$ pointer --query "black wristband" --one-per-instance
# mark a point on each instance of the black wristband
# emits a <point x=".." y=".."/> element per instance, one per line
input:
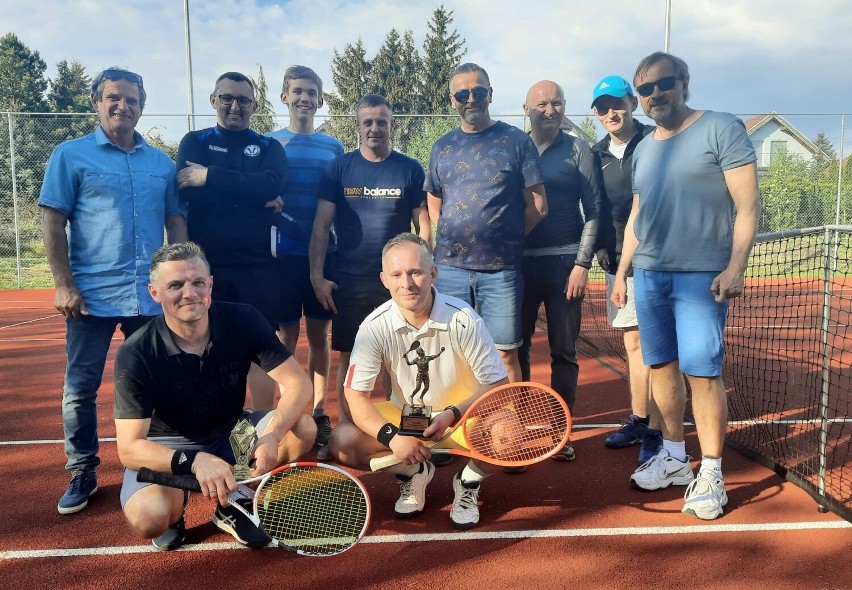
<point x="386" y="433"/>
<point x="456" y="413"/>
<point x="182" y="462"/>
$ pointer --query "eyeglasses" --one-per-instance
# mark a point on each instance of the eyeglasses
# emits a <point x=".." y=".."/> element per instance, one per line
<point x="664" y="84"/>
<point x="479" y="93"/>
<point x="114" y="74"/>
<point x="227" y="100"/>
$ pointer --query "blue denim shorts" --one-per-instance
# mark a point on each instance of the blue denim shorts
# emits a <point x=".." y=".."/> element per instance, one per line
<point x="495" y="295"/>
<point x="680" y="320"/>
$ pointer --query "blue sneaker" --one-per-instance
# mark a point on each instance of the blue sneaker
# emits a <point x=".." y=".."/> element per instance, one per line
<point x="652" y="443"/>
<point x="84" y="483"/>
<point x="631" y="433"/>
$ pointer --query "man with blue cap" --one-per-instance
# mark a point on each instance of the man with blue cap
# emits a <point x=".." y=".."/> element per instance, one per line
<point x="613" y="102"/>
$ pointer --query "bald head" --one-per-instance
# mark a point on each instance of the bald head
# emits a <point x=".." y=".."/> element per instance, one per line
<point x="545" y="106"/>
<point x="543" y="88"/>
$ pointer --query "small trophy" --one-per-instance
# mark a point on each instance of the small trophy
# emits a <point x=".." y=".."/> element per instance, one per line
<point x="243" y="439"/>
<point x="415" y="416"/>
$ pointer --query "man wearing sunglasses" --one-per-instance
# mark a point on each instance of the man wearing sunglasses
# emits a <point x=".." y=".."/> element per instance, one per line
<point x="229" y="176"/>
<point x="114" y="193"/>
<point x="613" y="102"/>
<point x="558" y="252"/>
<point x="485" y="192"/>
<point x="689" y="259"/>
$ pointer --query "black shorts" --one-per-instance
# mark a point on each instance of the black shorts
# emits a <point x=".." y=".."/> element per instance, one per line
<point x="257" y="285"/>
<point x="297" y="293"/>
<point x="354" y="298"/>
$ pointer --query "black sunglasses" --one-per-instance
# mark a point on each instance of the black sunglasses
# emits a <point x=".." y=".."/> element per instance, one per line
<point x="112" y="74"/>
<point x="664" y="84"/>
<point x="479" y="93"/>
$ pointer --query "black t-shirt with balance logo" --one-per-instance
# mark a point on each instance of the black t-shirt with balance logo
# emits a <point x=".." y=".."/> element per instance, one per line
<point x="188" y="395"/>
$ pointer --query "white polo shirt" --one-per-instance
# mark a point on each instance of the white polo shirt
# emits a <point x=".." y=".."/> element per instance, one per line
<point x="469" y="360"/>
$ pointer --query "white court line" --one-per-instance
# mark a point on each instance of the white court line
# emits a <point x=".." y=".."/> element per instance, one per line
<point x="47" y="317"/>
<point x="467" y="536"/>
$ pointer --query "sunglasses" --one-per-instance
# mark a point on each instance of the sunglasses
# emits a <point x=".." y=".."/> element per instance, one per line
<point x="118" y="75"/>
<point x="227" y="100"/>
<point x="664" y="84"/>
<point x="479" y="93"/>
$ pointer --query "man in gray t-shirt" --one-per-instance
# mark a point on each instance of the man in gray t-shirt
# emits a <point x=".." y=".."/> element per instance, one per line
<point x="689" y="258"/>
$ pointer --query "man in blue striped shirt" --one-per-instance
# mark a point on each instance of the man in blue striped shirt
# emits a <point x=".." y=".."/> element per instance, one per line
<point x="308" y="152"/>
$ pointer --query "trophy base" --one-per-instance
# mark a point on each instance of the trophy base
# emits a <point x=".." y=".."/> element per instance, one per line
<point x="414" y="420"/>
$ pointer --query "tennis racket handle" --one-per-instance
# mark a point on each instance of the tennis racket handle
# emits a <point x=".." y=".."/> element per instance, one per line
<point x="382" y="463"/>
<point x="170" y="480"/>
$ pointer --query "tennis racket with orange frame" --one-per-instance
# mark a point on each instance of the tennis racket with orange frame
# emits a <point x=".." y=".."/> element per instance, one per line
<point x="512" y="425"/>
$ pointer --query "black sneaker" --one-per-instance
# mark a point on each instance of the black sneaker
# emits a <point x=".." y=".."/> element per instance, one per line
<point x="566" y="453"/>
<point x="173" y="537"/>
<point x="323" y="430"/>
<point x="239" y="526"/>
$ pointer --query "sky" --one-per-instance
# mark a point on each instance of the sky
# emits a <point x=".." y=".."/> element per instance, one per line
<point x="745" y="56"/>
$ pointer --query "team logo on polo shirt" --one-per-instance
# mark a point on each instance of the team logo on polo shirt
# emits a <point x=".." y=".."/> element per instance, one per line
<point x="365" y="192"/>
<point x="252" y="150"/>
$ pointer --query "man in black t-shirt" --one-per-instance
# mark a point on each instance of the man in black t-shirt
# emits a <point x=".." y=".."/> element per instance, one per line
<point x="180" y="389"/>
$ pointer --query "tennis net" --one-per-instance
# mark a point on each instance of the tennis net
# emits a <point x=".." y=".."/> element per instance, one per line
<point x="788" y="359"/>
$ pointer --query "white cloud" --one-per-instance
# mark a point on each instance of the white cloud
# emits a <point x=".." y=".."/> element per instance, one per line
<point x="745" y="56"/>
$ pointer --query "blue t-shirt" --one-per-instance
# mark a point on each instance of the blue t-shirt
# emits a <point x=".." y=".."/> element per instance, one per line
<point x="685" y="218"/>
<point x="374" y="202"/>
<point x="307" y="157"/>
<point x="480" y="178"/>
<point x="116" y="203"/>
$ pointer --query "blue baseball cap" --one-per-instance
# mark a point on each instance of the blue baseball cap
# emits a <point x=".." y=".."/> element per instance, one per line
<point x="615" y="86"/>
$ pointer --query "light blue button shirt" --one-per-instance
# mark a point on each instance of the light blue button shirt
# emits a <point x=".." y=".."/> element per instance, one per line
<point x="116" y="203"/>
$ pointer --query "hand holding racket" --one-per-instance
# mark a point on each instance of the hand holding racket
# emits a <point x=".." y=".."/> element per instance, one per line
<point x="309" y="508"/>
<point x="511" y="425"/>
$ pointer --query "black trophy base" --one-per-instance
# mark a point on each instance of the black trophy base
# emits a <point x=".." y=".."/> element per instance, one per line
<point x="414" y="420"/>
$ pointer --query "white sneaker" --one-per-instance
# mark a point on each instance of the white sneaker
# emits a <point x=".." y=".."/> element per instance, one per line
<point x="412" y="492"/>
<point x="705" y="497"/>
<point x="465" y="511"/>
<point x="661" y="471"/>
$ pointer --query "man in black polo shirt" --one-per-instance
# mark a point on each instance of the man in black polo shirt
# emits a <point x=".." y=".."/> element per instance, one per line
<point x="180" y="389"/>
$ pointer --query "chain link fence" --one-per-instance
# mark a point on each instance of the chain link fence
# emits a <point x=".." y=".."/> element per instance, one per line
<point x="800" y="187"/>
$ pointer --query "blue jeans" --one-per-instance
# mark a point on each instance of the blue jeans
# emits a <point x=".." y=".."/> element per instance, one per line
<point x="87" y="343"/>
<point x="545" y="278"/>
<point x="495" y="295"/>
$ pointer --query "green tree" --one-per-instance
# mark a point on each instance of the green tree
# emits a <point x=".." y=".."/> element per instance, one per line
<point x="784" y="189"/>
<point x="349" y="72"/>
<point x="442" y="53"/>
<point x="825" y="155"/>
<point x="70" y="92"/>
<point x="156" y="139"/>
<point x="590" y="130"/>
<point x="262" y="120"/>
<point x="22" y="81"/>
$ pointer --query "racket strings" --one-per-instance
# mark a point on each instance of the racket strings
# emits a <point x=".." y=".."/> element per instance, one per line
<point x="517" y="424"/>
<point x="316" y="511"/>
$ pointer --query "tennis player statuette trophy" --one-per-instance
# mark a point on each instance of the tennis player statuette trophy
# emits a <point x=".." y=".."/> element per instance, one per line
<point x="243" y="439"/>
<point x="415" y="416"/>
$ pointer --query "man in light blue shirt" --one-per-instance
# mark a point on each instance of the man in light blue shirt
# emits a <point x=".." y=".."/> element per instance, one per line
<point x="114" y="193"/>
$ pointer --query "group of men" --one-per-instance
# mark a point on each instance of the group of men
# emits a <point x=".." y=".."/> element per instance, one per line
<point x="290" y="227"/>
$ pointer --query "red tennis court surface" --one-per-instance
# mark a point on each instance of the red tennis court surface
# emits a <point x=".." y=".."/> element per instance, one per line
<point x="560" y="525"/>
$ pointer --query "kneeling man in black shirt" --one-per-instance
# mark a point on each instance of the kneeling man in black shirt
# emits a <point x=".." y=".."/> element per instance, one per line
<point x="180" y="390"/>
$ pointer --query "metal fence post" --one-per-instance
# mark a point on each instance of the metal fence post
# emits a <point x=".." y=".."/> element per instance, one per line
<point x="15" y="199"/>
<point x="840" y="168"/>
